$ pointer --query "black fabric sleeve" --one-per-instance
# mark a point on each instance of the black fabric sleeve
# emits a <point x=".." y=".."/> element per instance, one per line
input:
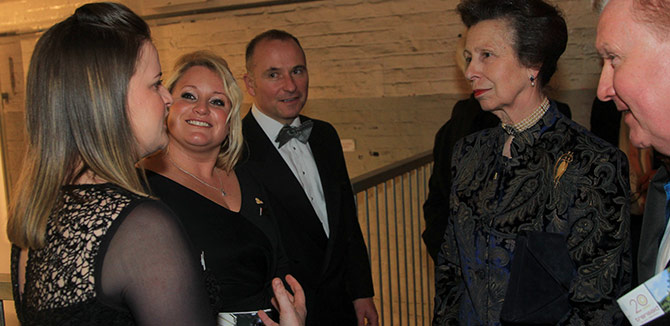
<point x="358" y="271"/>
<point x="467" y="117"/>
<point x="436" y="206"/>
<point x="149" y="267"/>
<point x="448" y="279"/>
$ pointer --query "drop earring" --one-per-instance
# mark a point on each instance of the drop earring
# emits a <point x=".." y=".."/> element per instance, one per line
<point x="532" y="81"/>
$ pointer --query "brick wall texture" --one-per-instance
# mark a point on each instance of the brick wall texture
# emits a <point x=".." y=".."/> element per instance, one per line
<point x="382" y="71"/>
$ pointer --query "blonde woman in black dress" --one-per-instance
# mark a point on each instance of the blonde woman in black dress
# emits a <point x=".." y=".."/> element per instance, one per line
<point x="223" y="209"/>
<point x="90" y="247"/>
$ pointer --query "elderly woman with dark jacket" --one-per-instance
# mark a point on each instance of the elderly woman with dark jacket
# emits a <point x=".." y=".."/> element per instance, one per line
<point x="538" y="226"/>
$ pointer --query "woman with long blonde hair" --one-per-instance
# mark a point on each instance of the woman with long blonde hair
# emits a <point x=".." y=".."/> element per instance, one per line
<point x="222" y="208"/>
<point x="90" y="247"/>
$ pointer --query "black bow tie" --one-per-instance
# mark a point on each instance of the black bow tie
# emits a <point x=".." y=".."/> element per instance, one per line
<point x="300" y="133"/>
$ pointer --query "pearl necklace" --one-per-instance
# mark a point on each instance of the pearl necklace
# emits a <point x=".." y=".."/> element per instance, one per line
<point x="220" y="189"/>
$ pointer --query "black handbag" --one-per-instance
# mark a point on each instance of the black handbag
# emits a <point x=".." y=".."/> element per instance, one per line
<point x="539" y="283"/>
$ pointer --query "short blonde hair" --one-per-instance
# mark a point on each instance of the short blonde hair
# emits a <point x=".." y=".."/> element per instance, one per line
<point x="231" y="148"/>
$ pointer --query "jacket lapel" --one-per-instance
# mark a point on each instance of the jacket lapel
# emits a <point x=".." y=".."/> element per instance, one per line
<point x="326" y="165"/>
<point x="266" y="163"/>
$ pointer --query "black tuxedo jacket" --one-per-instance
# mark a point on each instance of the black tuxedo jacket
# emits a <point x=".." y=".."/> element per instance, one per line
<point x="653" y="226"/>
<point x="332" y="270"/>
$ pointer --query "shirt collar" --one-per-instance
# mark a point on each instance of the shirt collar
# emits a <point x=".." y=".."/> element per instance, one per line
<point x="270" y="126"/>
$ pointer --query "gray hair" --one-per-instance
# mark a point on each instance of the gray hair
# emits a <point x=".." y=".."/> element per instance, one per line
<point x="655" y="14"/>
<point x="599" y="5"/>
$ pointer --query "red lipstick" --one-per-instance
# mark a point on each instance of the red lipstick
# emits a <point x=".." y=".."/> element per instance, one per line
<point x="479" y="92"/>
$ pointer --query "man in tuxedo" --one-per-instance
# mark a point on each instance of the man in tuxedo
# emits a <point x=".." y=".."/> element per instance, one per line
<point x="300" y="162"/>
<point x="626" y="29"/>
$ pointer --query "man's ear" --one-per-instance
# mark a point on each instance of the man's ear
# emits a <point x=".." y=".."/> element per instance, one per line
<point x="249" y="83"/>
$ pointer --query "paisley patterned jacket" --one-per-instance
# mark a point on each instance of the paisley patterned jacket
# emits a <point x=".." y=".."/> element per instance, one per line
<point x="560" y="179"/>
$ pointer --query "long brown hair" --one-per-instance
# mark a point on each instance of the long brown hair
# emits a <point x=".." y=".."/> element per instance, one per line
<point x="76" y="99"/>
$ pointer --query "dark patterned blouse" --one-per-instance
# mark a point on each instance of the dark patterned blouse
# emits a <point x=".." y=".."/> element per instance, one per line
<point x="560" y="179"/>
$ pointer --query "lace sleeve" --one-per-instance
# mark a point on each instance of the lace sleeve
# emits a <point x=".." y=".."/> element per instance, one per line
<point x="149" y="267"/>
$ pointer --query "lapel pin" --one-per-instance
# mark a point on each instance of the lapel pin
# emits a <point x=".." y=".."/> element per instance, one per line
<point x="260" y="206"/>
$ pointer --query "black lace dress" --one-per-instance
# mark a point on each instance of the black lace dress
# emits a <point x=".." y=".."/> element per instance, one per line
<point x="111" y="258"/>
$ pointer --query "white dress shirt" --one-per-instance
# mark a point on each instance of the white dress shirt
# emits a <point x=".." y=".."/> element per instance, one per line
<point x="299" y="158"/>
<point x="663" y="251"/>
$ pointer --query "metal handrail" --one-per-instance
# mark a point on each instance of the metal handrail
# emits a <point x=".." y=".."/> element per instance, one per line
<point x="389" y="203"/>
<point x="385" y="173"/>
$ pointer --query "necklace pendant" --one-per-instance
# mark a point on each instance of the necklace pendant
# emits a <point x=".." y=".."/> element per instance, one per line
<point x="223" y="193"/>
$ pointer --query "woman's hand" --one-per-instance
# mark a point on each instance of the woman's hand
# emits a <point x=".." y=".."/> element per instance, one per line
<point x="292" y="310"/>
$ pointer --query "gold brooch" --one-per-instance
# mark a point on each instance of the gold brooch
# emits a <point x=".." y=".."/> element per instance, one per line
<point x="260" y="206"/>
<point x="560" y="166"/>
